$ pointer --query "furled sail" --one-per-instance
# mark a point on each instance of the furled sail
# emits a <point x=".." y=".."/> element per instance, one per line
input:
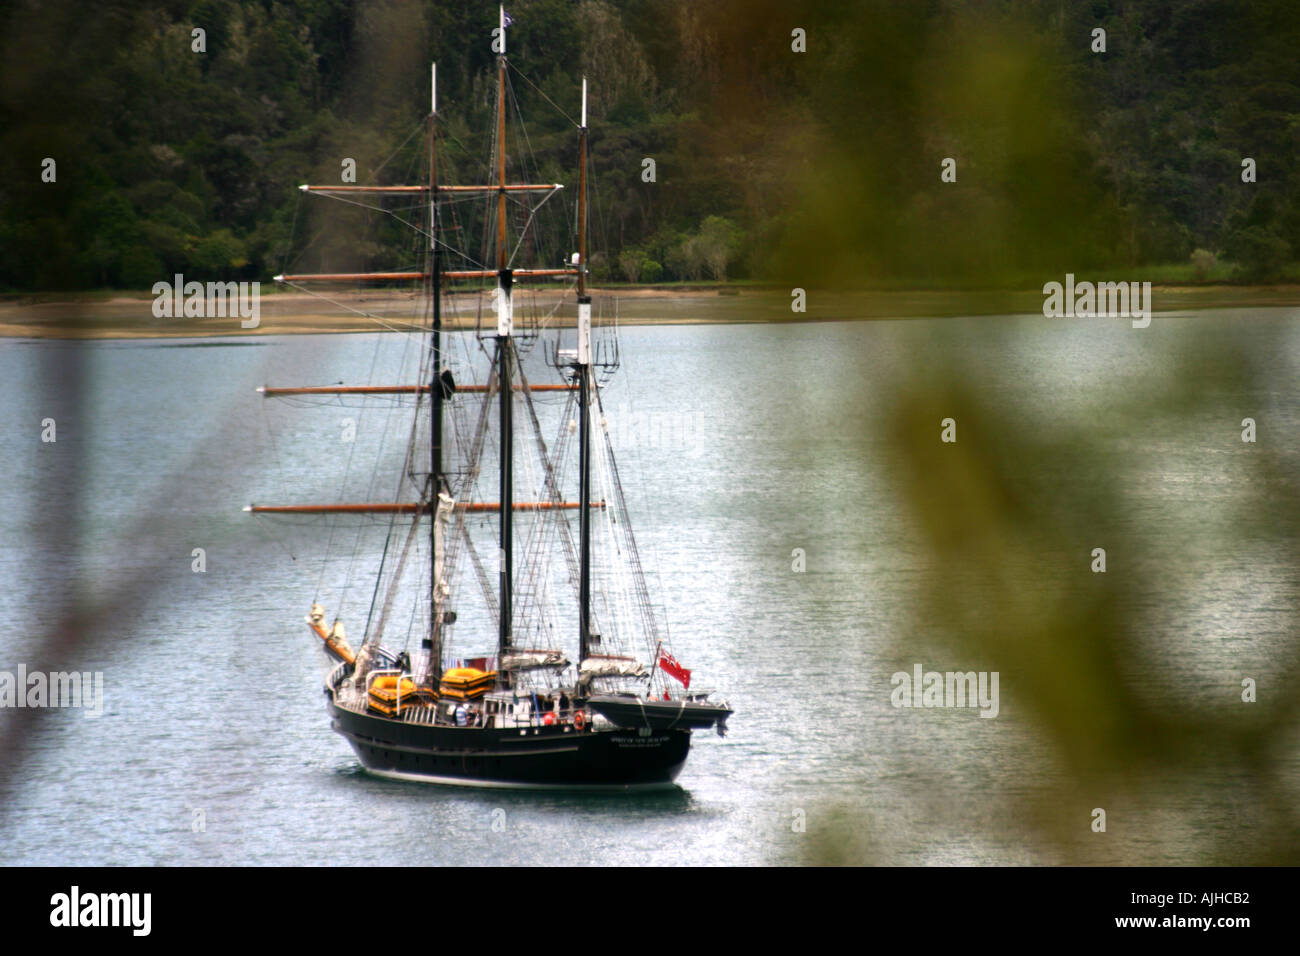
<point x="446" y="505"/>
<point x="610" y="667"/>
<point x="521" y="660"/>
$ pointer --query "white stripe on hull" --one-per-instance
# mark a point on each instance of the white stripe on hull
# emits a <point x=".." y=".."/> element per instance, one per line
<point x="512" y="785"/>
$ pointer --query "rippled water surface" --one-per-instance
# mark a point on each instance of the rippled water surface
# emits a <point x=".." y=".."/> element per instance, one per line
<point x="740" y="444"/>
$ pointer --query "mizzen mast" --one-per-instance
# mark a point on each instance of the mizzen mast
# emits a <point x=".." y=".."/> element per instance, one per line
<point x="584" y="397"/>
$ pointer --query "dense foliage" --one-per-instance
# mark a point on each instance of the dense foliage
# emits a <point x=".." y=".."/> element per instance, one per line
<point x="823" y="165"/>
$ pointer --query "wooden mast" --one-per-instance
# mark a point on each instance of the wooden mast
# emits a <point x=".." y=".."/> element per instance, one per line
<point x="434" y="666"/>
<point x="582" y="197"/>
<point x="273" y="390"/>
<point x="505" y="303"/>
<point x="501" y="146"/>
<point x="584" y="396"/>
<point x="412" y="507"/>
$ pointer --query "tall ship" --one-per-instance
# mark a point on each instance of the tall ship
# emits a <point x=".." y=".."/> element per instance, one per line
<point x="556" y="672"/>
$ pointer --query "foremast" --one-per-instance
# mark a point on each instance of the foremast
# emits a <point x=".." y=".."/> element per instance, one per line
<point x="436" y="477"/>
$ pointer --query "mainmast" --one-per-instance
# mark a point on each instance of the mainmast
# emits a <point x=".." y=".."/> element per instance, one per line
<point x="435" y="393"/>
<point x="505" y="380"/>
<point x="584" y="396"/>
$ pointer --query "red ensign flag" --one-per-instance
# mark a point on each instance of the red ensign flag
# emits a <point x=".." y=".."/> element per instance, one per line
<point x="670" y="666"/>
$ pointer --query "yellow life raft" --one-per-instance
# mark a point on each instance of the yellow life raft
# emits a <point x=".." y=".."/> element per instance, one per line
<point x="389" y="697"/>
<point x="467" y="683"/>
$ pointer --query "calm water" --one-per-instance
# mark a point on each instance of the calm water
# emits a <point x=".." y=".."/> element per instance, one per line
<point x="739" y="444"/>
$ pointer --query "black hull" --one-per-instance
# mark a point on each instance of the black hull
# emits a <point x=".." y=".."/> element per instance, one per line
<point x="533" y="758"/>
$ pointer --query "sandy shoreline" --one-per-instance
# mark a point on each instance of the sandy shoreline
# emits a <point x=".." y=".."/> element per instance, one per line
<point x="131" y="316"/>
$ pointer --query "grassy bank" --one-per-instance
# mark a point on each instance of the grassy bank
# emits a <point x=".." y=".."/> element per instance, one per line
<point x="126" y="315"/>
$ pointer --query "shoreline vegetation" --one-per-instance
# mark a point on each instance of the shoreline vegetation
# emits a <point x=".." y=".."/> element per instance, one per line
<point x="117" y="314"/>
<point x="931" y="146"/>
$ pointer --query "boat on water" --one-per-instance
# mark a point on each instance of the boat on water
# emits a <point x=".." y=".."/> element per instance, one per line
<point x="481" y="688"/>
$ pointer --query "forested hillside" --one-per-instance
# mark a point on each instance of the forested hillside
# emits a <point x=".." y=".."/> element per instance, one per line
<point x="822" y="165"/>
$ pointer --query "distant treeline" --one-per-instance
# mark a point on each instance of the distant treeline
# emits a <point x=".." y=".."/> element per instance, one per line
<point x="803" y="141"/>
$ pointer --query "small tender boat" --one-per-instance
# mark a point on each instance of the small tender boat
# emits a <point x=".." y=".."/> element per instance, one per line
<point x="691" y="713"/>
